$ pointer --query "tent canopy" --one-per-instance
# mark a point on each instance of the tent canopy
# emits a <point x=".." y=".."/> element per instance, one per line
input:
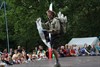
<point x="82" y="41"/>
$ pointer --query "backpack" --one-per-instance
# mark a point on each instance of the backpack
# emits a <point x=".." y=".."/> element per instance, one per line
<point x="63" y="22"/>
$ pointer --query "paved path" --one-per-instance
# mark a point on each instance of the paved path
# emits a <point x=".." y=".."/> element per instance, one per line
<point x="86" y="61"/>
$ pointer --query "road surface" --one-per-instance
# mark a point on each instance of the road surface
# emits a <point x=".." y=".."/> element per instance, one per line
<point x="84" y="61"/>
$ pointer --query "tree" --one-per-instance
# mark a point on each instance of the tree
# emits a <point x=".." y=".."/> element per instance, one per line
<point x="83" y="20"/>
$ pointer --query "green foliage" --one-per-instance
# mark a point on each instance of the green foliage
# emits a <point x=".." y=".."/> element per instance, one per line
<point x="83" y="20"/>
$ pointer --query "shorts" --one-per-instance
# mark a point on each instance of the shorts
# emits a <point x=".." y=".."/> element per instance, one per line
<point x="55" y="39"/>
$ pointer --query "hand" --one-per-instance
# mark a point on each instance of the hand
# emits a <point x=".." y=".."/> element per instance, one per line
<point x="39" y="19"/>
<point x="50" y="31"/>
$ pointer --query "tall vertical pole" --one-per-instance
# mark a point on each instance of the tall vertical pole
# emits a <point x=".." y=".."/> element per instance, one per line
<point x="6" y="25"/>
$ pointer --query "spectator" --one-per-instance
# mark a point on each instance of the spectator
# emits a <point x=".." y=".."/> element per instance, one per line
<point x="83" y="51"/>
<point x="11" y="52"/>
<point x="67" y="50"/>
<point x="89" y="48"/>
<point x="79" y="50"/>
<point x="19" y="49"/>
<point x="75" y="47"/>
<point x="34" y="55"/>
<point x="62" y="51"/>
<point x="98" y="48"/>
<point x="29" y="57"/>
<point x="24" y="56"/>
<point x="72" y="51"/>
<point x="41" y="53"/>
<point x="15" y="57"/>
<point x="24" y="53"/>
<point x="5" y="59"/>
<point x="5" y="53"/>
<point x="93" y="51"/>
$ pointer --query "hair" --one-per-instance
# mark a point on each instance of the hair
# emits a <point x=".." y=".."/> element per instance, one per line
<point x="51" y="12"/>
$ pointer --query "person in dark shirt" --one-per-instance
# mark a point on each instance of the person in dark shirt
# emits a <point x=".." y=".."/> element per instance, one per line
<point x="19" y="50"/>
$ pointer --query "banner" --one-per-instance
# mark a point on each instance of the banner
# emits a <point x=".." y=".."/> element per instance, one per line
<point x="41" y="34"/>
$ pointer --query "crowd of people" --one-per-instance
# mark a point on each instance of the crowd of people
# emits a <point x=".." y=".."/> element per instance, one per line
<point x="86" y="50"/>
<point x="19" y="55"/>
